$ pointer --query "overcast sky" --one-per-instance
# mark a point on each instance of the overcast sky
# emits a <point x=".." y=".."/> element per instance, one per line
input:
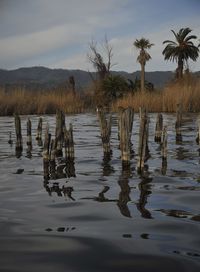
<point x="56" y="33"/>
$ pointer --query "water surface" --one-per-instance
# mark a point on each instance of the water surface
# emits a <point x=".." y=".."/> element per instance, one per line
<point x="105" y="218"/>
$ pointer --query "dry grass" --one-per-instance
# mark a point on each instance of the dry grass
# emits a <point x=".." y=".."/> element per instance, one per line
<point x="186" y="92"/>
<point x="19" y="101"/>
<point x="25" y="102"/>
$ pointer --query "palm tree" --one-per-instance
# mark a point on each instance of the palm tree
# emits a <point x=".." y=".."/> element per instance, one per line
<point x="143" y="57"/>
<point x="181" y="49"/>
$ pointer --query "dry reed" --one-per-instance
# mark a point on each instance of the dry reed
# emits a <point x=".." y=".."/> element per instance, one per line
<point x="26" y="102"/>
<point x="186" y="92"/>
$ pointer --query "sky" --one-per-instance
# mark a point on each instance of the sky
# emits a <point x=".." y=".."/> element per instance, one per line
<point x="57" y="33"/>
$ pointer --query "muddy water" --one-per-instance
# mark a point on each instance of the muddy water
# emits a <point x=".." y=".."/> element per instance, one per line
<point x="104" y="219"/>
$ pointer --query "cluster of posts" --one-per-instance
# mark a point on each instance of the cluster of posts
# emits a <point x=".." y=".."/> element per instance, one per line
<point x="59" y="164"/>
<point x="125" y="125"/>
<point x="56" y="163"/>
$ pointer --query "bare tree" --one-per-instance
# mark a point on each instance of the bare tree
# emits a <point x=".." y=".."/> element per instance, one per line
<point x="101" y="64"/>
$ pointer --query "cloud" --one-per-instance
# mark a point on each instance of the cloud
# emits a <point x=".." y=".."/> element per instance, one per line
<point x="29" y="45"/>
<point x="57" y="32"/>
<point x="75" y="61"/>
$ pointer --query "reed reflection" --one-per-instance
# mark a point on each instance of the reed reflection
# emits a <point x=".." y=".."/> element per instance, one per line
<point x="145" y="191"/>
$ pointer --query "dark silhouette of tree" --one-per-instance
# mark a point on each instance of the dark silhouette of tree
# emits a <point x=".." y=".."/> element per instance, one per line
<point x="114" y="86"/>
<point x="181" y="50"/>
<point x="143" y="44"/>
<point x="102" y="64"/>
<point x="72" y="84"/>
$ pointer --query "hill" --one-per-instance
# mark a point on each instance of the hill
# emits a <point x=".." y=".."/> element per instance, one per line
<point x="45" y="78"/>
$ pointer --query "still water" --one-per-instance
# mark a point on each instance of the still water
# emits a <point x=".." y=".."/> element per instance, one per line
<point x="104" y="218"/>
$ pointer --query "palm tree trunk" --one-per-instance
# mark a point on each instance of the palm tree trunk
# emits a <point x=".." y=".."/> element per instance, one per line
<point x="142" y="77"/>
<point x="180" y="68"/>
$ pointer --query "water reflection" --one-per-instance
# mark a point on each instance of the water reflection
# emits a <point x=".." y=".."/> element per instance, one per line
<point x="18" y="153"/>
<point x="164" y="167"/>
<point x="61" y="229"/>
<point x="39" y="142"/>
<point x="145" y="191"/>
<point x="60" y="191"/>
<point x="101" y="197"/>
<point x="177" y="213"/>
<point x="124" y="195"/>
<point x="58" y="170"/>
<point x="29" y="152"/>
<point x="106" y="165"/>
<point x="181" y="153"/>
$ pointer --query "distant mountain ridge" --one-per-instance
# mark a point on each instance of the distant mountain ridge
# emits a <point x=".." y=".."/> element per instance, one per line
<point x="41" y="77"/>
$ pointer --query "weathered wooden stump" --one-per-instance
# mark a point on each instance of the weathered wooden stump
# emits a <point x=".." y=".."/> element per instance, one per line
<point x="39" y="130"/>
<point x="29" y="134"/>
<point x="198" y="134"/>
<point x="69" y="152"/>
<point x="60" y="124"/>
<point x="120" y="110"/>
<point x="164" y="150"/>
<point x="164" y="144"/>
<point x="69" y="143"/>
<point x="46" y="153"/>
<point x="178" y="123"/>
<point x="159" y="128"/>
<point x="105" y="128"/>
<point x="143" y="151"/>
<point x="53" y="159"/>
<point x="10" y="141"/>
<point x="19" y="143"/>
<point x="125" y="126"/>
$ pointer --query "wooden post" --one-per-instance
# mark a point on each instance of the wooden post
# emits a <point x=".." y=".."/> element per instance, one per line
<point x="69" y="143"/>
<point x="52" y="159"/>
<point x="69" y="152"/>
<point x="198" y="134"/>
<point x="39" y="130"/>
<point x="105" y="127"/>
<point x="159" y="128"/>
<point x="120" y="110"/>
<point x="46" y="148"/>
<point x="10" y="141"/>
<point x="164" y="144"/>
<point x="29" y="134"/>
<point x="142" y="147"/>
<point x="126" y="121"/>
<point x="19" y="144"/>
<point x="178" y="123"/>
<point x="60" y="124"/>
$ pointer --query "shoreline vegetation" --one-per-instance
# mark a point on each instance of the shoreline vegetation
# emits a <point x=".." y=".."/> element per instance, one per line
<point x="185" y="91"/>
<point x="114" y="91"/>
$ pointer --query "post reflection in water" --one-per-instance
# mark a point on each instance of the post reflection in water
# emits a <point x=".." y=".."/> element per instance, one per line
<point x="124" y="197"/>
<point x="18" y="153"/>
<point x="29" y="152"/>
<point x="145" y="191"/>
<point x="63" y="169"/>
<point x="58" y="170"/>
<point x="107" y="168"/>
<point x="60" y="191"/>
<point x="39" y="142"/>
<point x="164" y="167"/>
<point x="101" y="197"/>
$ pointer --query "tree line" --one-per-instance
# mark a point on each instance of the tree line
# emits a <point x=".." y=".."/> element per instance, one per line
<point x="109" y="86"/>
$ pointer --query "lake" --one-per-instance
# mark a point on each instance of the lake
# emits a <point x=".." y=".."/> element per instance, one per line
<point x="106" y="218"/>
